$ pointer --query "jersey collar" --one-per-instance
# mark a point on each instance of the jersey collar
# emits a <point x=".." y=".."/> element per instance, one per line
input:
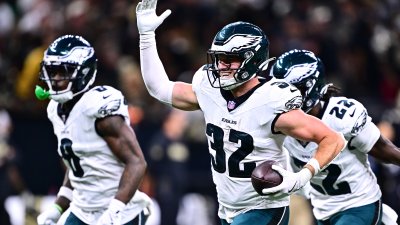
<point x="232" y="103"/>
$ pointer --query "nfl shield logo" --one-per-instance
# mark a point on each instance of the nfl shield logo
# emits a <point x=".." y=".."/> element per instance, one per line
<point x="231" y="105"/>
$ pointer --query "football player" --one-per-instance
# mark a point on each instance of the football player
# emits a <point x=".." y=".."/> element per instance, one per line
<point x="246" y="117"/>
<point x="345" y="192"/>
<point x="105" y="162"/>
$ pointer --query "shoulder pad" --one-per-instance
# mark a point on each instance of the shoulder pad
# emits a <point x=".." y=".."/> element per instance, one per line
<point x="104" y="101"/>
<point x="285" y="96"/>
<point x="199" y="77"/>
<point x="347" y="115"/>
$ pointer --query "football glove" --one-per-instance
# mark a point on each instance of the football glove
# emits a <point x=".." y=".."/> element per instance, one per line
<point x="290" y="184"/>
<point x="147" y="19"/>
<point x="112" y="216"/>
<point x="50" y="216"/>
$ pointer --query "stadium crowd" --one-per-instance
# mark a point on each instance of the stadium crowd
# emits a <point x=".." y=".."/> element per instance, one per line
<point x="358" y="41"/>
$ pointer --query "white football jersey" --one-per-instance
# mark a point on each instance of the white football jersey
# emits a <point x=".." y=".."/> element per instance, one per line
<point x="94" y="171"/>
<point x="348" y="181"/>
<point x="240" y="136"/>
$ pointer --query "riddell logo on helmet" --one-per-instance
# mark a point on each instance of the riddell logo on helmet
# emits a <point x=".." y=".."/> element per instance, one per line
<point x="244" y="75"/>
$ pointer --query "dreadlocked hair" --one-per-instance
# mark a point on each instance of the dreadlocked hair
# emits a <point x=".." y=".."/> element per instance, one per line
<point x="332" y="91"/>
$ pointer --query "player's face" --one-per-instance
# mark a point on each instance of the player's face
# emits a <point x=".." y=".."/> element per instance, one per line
<point x="228" y="65"/>
<point x="60" y="76"/>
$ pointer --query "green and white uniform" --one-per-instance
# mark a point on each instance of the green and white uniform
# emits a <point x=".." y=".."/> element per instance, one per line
<point x="349" y="181"/>
<point x="240" y="136"/>
<point x="94" y="171"/>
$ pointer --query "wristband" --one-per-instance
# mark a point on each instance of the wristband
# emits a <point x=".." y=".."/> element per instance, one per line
<point x="65" y="192"/>
<point x="116" y="206"/>
<point x="315" y="164"/>
<point x="58" y="208"/>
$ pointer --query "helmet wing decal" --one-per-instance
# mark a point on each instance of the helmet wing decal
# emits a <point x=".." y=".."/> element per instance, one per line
<point x="306" y="70"/>
<point x="238" y="42"/>
<point x="78" y="55"/>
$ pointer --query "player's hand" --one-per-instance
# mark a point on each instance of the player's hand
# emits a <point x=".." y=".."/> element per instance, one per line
<point x="147" y="19"/>
<point x="113" y="214"/>
<point x="291" y="182"/>
<point x="49" y="217"/>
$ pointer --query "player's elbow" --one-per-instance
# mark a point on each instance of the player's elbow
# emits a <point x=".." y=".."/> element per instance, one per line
<point x="341" y="142"/>
<point x="163" y="95"/>
<point x="136" y="167"/>
<point x="144" y="165"/>
<point x="333" y="145"/>
<point x="141" y="165"/>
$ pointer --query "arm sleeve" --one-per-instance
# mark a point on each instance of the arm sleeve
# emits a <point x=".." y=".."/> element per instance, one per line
<point x="153" y="72"/>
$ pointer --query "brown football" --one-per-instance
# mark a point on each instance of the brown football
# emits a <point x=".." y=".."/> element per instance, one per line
<point x="264" y="176"/>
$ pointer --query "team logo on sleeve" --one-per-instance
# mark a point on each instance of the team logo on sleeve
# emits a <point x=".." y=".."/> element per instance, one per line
<point x="294" y="103"/>
<point x="360" y="123"/>
<point x="110" y="107"/>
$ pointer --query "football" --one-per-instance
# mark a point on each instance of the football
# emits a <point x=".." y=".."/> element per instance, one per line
<point x="263" y="176"/>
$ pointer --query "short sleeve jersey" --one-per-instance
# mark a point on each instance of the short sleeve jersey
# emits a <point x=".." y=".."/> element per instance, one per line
<point x="349" y="180"/>
<point x="240" y="133"/>
<point x="94" y="171"/>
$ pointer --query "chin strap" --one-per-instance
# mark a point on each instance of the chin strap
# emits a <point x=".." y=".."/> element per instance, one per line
<point x="324" y="89"/>
<point x="62" y="98"/>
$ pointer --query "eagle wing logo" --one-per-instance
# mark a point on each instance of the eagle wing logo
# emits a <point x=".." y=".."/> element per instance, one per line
<point x="294" y="103"/>
<point x="110" y="107"/>
<point x="306" y="70"/>
<point x="360" y="123"/>
<point x="239" y="42"/>
<point x="78" y="54"/>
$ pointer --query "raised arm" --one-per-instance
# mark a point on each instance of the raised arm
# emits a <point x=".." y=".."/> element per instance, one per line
<point x="178" y="94"/>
